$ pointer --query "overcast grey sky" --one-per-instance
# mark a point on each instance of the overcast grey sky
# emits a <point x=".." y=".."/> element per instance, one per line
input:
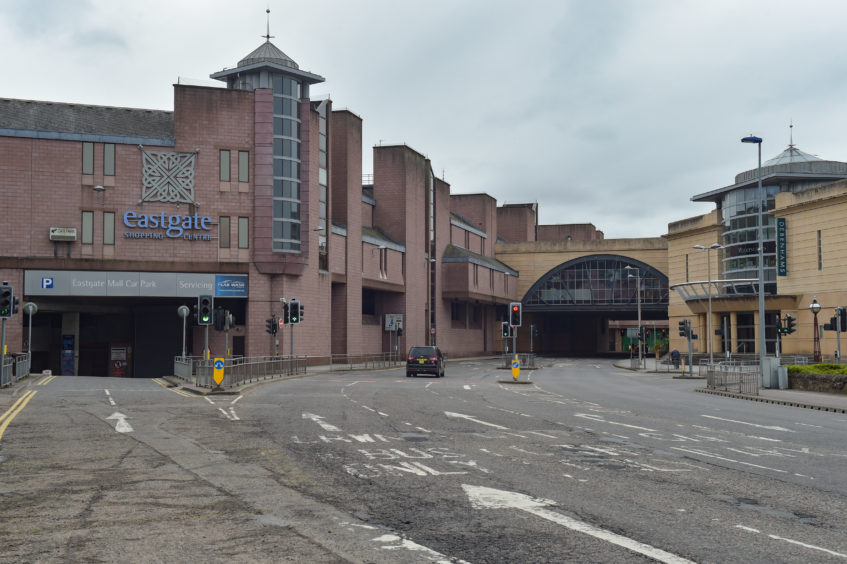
<point x="611" y="112"/>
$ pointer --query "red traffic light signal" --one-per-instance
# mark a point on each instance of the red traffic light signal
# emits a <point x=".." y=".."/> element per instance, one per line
<point x="515" y="314"/>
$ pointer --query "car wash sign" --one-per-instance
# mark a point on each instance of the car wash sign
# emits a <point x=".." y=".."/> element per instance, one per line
<point x="163" y="226"/>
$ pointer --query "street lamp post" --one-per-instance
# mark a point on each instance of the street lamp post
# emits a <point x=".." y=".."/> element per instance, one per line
<point x="815" y="308"/>
<point x="709" y="289"/>
<point x="762" y="344"/>
<point x="638" y="304"/>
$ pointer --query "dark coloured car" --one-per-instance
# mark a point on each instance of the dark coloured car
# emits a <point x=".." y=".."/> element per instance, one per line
<point x="425" y="360"/>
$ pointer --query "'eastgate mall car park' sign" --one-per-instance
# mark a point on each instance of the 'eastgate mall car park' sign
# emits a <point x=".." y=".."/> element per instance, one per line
<point x="188" y="227"/>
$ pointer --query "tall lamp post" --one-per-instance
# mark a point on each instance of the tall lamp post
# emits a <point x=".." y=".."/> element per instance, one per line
<point x="815" y="307"/>
<point x="709" y="288"/>
<point x="762" y="344"/>
<point x="638" y="303"/>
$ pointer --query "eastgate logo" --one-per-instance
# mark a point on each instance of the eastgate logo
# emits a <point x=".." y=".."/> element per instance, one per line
<point x="174" y="225"/>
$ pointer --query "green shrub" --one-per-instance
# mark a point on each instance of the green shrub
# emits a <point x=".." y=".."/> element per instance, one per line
<point x="818" y="368"/>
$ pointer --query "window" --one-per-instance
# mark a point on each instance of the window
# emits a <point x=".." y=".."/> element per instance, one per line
<point x="243" y="166"/>
<point x="820" y="255"/>
<point x="243" y="232"/>
<point x="87" y="228"/>
<point x="223" y="232"/>
<point x="224" y="165"/>
<point x="286" y="163"/>
<point x="109" y="227"/>
<point x="109" y="159"/>
<point x="88" y="158"/>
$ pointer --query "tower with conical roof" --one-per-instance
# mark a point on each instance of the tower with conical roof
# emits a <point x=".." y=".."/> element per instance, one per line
<point x="268" y="68"/>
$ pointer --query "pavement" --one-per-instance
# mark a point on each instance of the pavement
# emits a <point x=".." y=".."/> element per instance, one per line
<point x="819" y="401"/>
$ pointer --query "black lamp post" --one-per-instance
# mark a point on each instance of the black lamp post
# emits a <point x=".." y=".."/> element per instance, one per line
<point x="815" y="307"/>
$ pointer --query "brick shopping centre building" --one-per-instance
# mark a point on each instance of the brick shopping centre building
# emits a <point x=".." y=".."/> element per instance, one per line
<point x="253" y="192"/>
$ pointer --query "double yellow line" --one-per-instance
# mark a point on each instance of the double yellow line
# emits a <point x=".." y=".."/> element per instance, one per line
<point x="13" y="411"/>
<point x="167" y="386"/>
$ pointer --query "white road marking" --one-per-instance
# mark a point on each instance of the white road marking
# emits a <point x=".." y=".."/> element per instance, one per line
<point x="710" y="455"/>
<point x="489" y="498"/>
<point x="234" y="416"/>
<point x="474" y="419"/>
<point x="111" y="401"/>
<point x="792" y="541"/>
<point x="121" y="426"/>
<point x="319" y="420"/>
<point x="208" y="399"/>
<point x="601" y="420"/>
<point x="768" y="427"/>
<point x="466" y="387"/>
<point x="394" y="542"/>
<point x="236" y="400"/>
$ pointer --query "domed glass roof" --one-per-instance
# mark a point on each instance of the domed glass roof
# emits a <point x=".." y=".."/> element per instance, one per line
<point x="791" y="155"/>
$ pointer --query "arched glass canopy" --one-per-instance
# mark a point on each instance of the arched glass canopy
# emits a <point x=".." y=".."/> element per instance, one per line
<point x="599" y="282"/>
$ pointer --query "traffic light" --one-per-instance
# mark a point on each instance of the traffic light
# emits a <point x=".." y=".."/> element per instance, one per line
<point x="194" y="313"/>
<point x="779" y="329"/>
<point x="648" y="334"/>
<point x="683" y="326"/>
<point x="842" y="314"/>
<point x="832" y="325"/>
<point x="789" y="324"/>
<point x="205" y="310"/>
<point x="6" y="300"/>
<point x="286" y="317"/>
<point x="220" y="318"/>
<point x="505" y="329"/>
<point x="271" y="325"/>
<point x="16" y="303"/>
<point x="294" y="312"/>
<point x="515" y="314"/>
<point x="302" y="315"/>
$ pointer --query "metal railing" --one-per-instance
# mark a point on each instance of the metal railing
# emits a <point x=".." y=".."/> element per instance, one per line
<point x="15" y="367"/>
<point x="527" y="360"/>
<point x="243" y="370"/>
<point x="739" y="376"/>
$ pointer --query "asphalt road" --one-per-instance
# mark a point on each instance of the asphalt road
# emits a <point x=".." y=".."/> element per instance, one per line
<point x="588" y="463"/>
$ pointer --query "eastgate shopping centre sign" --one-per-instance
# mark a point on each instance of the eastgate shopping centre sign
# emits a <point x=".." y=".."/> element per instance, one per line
<point x="164" y="226"/>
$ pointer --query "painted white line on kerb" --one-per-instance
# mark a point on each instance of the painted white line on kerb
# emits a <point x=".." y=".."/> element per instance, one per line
<point x="489" y="498"/>
<point x="768" y="427"/>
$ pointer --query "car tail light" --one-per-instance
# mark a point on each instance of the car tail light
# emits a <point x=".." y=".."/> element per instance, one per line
<point x="433" y="358"/>
<point x="411" y="358"/>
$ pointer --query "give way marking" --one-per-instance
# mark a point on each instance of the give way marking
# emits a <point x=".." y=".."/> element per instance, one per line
<point x="489" y="498"/>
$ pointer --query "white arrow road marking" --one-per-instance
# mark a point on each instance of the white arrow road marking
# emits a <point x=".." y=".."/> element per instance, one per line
<point x="471" y="418"/>
<point x="489" y="498"/>
<point x="121" y="426"/>
<point x="319" y="420"/>
<point x="769" y="427"/>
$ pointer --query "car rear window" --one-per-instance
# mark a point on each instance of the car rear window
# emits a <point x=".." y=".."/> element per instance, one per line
<point x="422" y="351"/>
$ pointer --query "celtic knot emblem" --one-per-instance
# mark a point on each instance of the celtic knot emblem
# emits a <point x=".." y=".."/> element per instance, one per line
<point x="167" y="177"/>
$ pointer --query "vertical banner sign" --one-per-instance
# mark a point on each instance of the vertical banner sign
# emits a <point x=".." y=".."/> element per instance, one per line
<point x="781" y="269"/>
<point x="218" y="373"/>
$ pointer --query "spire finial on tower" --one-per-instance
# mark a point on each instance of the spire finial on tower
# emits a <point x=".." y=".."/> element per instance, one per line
<point x="268" y="35"/>
<point x="791" y="133"/>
